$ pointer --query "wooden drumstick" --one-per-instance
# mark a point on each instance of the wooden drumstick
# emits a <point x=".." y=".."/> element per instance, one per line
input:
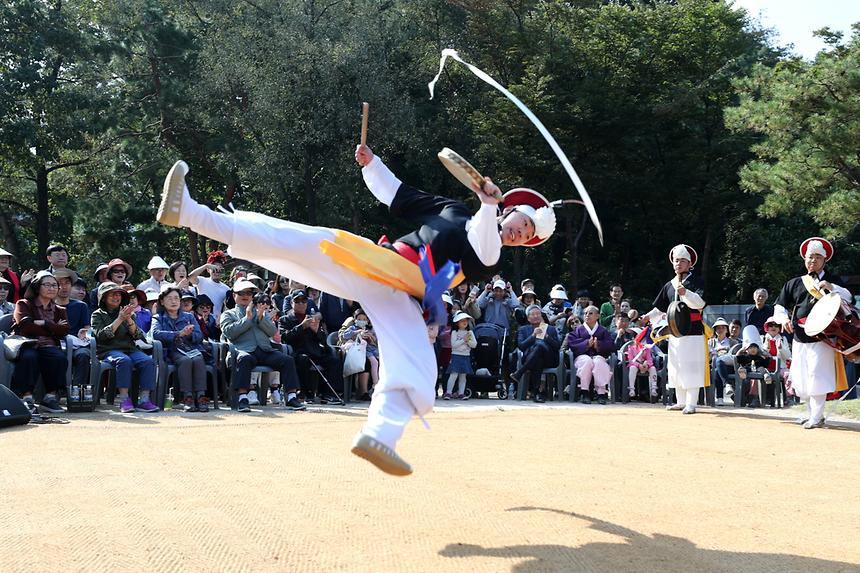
<point x="365" y="110"/>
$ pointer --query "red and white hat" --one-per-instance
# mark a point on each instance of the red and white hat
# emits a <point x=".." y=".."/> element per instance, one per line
<point x="683" y="251"/>
<point x="537" y="208"/>
<point x="817" y="245"/>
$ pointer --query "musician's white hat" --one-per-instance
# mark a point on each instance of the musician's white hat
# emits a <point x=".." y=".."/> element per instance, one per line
<point x="537" y="208"/>
<point x="817" y="245"/>
<point x="683" y="251"/>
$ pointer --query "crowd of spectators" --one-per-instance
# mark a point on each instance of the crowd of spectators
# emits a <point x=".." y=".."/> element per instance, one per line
<point x="302" y="336"/>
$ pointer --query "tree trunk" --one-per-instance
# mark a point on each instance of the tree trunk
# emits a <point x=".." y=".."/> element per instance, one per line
<point x="310" y="192"/>
<point x="573" y="247"/>
<point x="43" y="215"/>
<point x="192" y="248"/>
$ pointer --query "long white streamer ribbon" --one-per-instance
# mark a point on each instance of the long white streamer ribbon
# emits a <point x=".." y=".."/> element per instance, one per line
<point x="571" y="172"/>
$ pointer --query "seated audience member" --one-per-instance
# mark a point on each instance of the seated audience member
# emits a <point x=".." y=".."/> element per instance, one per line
<point x="6" y="307"/>
<point x="639" y="361"/>
<point x="625" y="307"/>
<point x="142" y="310"/>
<point x="735" y="331"/>
<point x="206" y="319"/>
<point x="79" y="291"/>
<point x="58" y="257"/>
<point x="467" y="299"/>
<point x="306" y="334"/>
<point x="759" y="311"/>
<point x="591" y="346"/>
<point x="187" y="301"/>
<point x="622" y="334"/>
<point x="335" y="310"/>
<point x="719" y="348"/>
<point x="610" y="309"/>
<point x="777" y="346"/>
<point x="280" y="292"/>
<point x="571" y="323"/>
<point x="118" y="272"/>
<point x="583" y="301"/>
<point x="238" y="272"/>
<point x="212" y="286"/>
<point x="7" y="273"/>
<point x="356" y="329"/>
<point x="751" y="359"/>
<point x="527" y="298"/>
<point x="555" y="310"/>
<point x="497" y="303"/>
<point x="249" y="327"/>
<point x="180" y="334"/>
<point x="539" y="342"/>
<point x="99" y="277"/>
<point x="257" y="280"/>
<point x="117" y="334"/>
<point x="37" y="316"/>
<point x="78" y="315"/>
<point x="177" y="275"/>
<point x="157" y="268"/>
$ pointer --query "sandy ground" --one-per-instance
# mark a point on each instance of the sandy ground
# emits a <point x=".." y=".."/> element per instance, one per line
<point x="582" y="488"/>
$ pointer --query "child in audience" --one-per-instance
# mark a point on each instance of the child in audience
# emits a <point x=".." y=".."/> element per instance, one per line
<point x="778" y="347"/>
<point x="640" y="361"/>
<point x="462" y="342"/>
<point x="751" y="359"/>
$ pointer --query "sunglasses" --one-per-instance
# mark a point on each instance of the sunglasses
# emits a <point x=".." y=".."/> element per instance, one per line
<point x="245" y="293"/>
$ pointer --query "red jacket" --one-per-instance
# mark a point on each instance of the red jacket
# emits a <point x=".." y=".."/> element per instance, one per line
<point x="15" y="293"/>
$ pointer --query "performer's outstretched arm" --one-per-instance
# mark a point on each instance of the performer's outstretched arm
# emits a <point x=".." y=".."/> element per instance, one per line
<point x="378" y="178"/>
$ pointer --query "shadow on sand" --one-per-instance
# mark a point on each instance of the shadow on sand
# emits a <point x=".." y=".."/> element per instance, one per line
<point x="637" y="552"/>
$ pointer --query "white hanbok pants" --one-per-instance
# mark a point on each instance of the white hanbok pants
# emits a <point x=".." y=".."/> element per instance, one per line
<point x="407" y="371"/>
<point x="813" y="375"/>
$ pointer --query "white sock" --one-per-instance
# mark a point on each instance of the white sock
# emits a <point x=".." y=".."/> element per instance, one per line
<point x="144" y="395"/>
<point x="387" y="416"/>
<point x="242" y="396"/>
<point x="290" y="396"/>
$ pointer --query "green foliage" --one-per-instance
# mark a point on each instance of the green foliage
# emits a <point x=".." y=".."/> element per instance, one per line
<point x="807" y="119"/>
<point x="262" y="99"/>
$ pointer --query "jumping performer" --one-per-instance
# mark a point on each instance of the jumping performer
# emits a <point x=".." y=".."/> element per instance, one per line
<point x="355" y="268"/>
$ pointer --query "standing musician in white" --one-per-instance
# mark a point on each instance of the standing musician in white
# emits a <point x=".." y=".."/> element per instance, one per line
<point x="816" y="369"/>
<point x="688" y="355"/>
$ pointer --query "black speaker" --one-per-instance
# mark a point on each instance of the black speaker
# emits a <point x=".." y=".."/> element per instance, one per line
<point x="12" y="409"/>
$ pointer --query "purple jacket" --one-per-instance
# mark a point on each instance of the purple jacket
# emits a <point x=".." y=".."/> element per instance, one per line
<point x="577" y="341"/>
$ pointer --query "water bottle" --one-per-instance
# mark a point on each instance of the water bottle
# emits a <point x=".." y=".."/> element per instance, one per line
<point x="168" y="401"/>
<point x="75" y="394"/>
<point x="88" y="393"/>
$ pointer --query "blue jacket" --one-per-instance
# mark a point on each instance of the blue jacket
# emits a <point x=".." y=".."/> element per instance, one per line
<point x="497" y="311"/>
<point x="526" y="338"/>
<point x="166" y="330"/>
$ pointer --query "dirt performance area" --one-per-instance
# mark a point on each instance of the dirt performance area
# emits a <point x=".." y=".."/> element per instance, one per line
<point x="581" y="488"/>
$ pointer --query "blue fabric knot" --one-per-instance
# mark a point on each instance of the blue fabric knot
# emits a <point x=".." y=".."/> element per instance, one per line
<point x="435" y="285"/>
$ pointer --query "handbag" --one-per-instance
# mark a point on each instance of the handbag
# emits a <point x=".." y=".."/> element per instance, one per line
<point x="355" y="359"/>
<point x="13" y="343"/>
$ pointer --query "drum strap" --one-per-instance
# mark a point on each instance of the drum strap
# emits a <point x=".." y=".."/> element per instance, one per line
<point x="809" y="284"/>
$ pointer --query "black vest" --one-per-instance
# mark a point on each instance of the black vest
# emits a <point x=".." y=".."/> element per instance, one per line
<point x="798" y="303"/>
<point x="442" y="226"/>
<point x="668" y="295"/>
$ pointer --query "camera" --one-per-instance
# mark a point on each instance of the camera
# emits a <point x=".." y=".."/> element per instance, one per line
<point x="262" y="298"/>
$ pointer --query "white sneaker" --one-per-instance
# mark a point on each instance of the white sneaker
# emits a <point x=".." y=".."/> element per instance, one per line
<point x="171" y="195"/>
<point x="252" y="398"/>
<point x="720" y="402"/>
<point x="675" y="407"/>
<point x="276" y="397"/>
<point x="689" y="410"/>
<point x="729" y="392"/>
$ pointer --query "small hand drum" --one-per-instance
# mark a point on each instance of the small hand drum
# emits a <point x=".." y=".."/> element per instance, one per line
<point x="679" y="319"/>
<point x="830" y="322"/>
<point x="462" y="170"/>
